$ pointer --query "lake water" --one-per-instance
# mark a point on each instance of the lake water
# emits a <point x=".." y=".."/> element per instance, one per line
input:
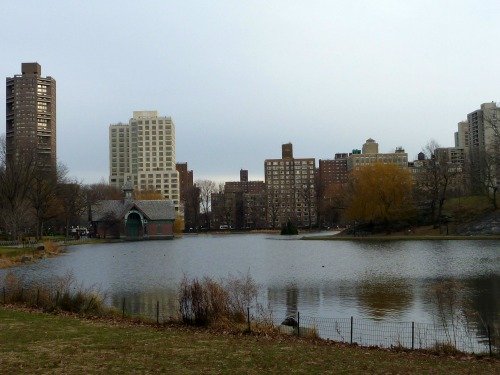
<point x="378" y="280"/>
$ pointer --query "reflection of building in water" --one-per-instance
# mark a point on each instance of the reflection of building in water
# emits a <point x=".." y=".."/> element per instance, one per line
<point x="288" y="299"/>
<point x="292" y="296"/>
<point x="144" y="304"/>
<point x="381" y="297"/>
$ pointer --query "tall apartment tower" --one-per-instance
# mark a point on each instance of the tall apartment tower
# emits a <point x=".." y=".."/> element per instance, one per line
<point x="462" y="135"/>
<point x="31" y="117"/>
<point x="290" y="189"/>
<point x="483" y="138"/>
<point x="143" y="151"/>
<point x="482" y="123"/>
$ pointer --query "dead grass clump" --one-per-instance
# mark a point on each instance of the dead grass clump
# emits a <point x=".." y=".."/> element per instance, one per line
<point x="210" y="302"/>
<point x="445" y="348"/>
<point x="52" y="247"/>
<point x="60" y="293"/>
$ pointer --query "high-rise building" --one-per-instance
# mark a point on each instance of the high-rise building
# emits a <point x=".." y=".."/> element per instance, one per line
<point x="482" y="125"/>
<point x="484" y="142"/>
<point x="186" y="178"/>
<point x="462" y="136"/>
<point x="370" y="155"/>
<point x="241" y="205"/>
<point x="143" y="151"/>
<point x="189" y="195"/>
<point x="31" y="117"/>
<point x="333" y="171"/>
<point x="453" y="155"/>
<point x="290" y="189"/>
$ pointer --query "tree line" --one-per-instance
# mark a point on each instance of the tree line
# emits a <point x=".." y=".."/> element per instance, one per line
<point x="383" y="196"/>
<point x="35" y="202"/>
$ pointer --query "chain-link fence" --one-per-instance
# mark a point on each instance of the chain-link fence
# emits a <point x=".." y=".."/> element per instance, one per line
<point x="364" y="332"/>
<point x="408" y="335"/>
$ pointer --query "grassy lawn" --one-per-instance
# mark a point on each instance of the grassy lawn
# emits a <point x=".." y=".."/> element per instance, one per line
<point x="43" y="343"/>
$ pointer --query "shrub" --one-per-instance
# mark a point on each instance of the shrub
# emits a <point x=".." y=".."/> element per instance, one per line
<point x="289" y="229"/>
<point x="208" y="302"/>
<point x="59" y="293"/>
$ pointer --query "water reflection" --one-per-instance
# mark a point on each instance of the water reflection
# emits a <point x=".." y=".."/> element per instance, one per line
<point x="379" y="298"/>
<point x="369" y="279"/>
<point x="146" y="303"/>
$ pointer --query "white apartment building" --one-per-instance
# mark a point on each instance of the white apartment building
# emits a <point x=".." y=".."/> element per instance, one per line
<point x="143" y="151"/>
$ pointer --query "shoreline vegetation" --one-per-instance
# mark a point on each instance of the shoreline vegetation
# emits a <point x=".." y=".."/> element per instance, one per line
<point x="112" y="343"/>
<point x="59" y="325"/>
<point x="13" y="255"/>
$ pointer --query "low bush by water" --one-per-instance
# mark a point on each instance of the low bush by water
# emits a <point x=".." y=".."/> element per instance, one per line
<point x="60" y="293"/>
<point x="207" y="301"/>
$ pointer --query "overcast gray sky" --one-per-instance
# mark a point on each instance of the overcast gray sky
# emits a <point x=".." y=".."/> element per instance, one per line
<point x="240" y="78"/>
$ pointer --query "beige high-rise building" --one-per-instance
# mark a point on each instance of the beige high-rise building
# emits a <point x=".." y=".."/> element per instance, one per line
<point x="31" y="117"/>
<point x="370" y="155"/>
<point x="462" y="136"/>
<point x="370" y="147"/>
<point x="484" y="125"/>
<point x="143" y="151"/>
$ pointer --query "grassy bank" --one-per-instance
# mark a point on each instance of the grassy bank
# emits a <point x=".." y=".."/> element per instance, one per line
<point x="33" y="342"/>
<point x="12" y="256"/>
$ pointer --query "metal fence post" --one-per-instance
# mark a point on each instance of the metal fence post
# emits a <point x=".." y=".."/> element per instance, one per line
<point x="57" y="298"/>
<point x="248" y="319"/>
<point x="489" y="338"/>
<point x="4" y="299"/>
<point x="157" y="312"/>
<point x="37" y="296"/>
<point x="412" y="335"/>
<point x="298" y="324"/>
<point x="123" y="308"/>
<point x="352" y="327"/>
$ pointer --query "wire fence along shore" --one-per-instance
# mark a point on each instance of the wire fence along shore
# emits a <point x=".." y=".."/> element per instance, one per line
<point x="363" y="332"/>
<point x="446" y="337"/>
<point x="405" y="335"/>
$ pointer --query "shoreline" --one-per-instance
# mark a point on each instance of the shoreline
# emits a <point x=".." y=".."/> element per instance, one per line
<point x="400" y="238"/>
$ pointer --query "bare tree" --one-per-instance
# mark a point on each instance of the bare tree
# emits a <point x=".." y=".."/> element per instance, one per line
<point x="487" y="175"/>
<point x="73" y="202"/>
<point x="16" y="177"/>
<point x="273" y="205"/>
<point x="434" y="181"/>
<point x="307" y="194"/>
<point x="207" y="188"/>
<point x="485" y="159"/>
<point x="43" y="199"/>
